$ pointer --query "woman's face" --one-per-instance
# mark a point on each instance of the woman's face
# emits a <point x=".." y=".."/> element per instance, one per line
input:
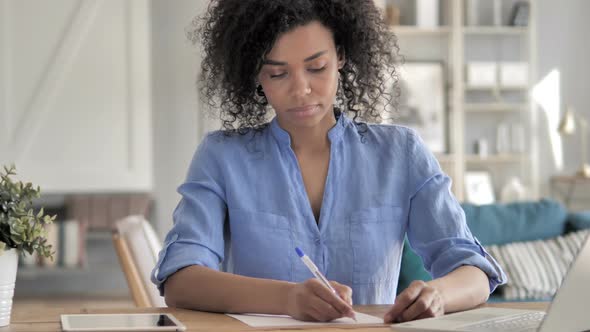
<point x="299" y="76"/>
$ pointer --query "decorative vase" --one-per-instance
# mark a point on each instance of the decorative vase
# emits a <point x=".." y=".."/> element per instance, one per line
<point x="472" y="12"/>
<point x="498" y="12"/>
<point x="427" y="13"/>
<point x="8" y="266"/>
<point x="503" y="138"/>
<point x="513" y="191"/>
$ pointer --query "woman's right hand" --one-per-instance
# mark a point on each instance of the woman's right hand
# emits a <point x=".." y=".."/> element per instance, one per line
<point x="313" y="301"/>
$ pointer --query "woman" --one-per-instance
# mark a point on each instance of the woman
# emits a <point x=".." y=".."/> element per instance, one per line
<point x="315" y="177"/>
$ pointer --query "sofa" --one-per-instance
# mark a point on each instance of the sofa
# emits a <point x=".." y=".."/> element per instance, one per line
<point x="502" y="224"/>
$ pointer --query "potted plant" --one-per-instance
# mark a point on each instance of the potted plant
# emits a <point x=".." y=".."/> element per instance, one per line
<point x="21" y="232"/>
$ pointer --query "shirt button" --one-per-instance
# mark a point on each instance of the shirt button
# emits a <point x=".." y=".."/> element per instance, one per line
<point x="318" y="240"/>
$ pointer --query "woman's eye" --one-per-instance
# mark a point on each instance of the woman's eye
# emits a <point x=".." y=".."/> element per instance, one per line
<point x="278" y="75"/>
<point x="317" y="70"/>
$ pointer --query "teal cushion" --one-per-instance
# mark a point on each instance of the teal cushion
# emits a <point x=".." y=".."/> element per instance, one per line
<point x="579" y="220"/>
<point x="495" y="224"/>
<point x="412" y="268"/>
<point x="520" y="221"/>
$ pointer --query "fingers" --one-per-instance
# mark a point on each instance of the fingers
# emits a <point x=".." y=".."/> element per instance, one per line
<point x="422" y="305"/>
<point x="312" y="300"/>
<point x="404" y="300"/>
<point x="334" y="300"/>
<point x="435" y="310"/>
<point x="420" y="301"/>
<point x="322" y="311"/>
<point x="343" y="291"/>
<point x="430" y="312"/>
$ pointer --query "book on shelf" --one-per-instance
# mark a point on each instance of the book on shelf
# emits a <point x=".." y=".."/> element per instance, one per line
<point x="99" y="205"/>
<point x="53" y="240"/>
<point x="67" y="240"/>
<point x="71" y="243"/>
<point x="82" y="231"/>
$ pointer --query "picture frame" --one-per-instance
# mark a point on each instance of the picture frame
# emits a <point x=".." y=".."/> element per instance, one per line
<point x="422" y="102"/>
<point x="478" y="188"/>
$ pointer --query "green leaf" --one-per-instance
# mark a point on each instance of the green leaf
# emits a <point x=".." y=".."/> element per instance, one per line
<point x="20" y="227"/>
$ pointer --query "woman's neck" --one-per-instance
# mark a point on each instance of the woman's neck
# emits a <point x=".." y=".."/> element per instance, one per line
<point x="312" y="139"/>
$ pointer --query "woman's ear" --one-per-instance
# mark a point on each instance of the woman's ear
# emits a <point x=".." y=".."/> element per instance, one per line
<point x="341" y="57"/>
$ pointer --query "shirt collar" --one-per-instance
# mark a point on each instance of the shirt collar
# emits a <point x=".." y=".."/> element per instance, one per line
<point x="334" y="134"/>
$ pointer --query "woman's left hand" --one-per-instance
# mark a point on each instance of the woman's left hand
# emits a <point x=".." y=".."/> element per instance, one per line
<point x="419" y="300"/>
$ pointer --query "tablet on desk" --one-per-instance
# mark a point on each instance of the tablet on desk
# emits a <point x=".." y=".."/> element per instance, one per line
<point x="120" y="322"/>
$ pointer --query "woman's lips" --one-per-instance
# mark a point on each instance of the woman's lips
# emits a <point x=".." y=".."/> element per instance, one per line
<point x="304" y="110"/>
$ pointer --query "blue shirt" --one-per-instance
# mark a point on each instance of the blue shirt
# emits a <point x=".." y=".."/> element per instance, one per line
<point x="244" y="209"/>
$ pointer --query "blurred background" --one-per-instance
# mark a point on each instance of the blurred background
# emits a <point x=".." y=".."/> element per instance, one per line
<point x="98" y="107"/>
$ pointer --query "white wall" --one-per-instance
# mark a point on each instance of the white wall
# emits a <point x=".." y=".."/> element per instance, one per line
<point x="175" y="63"/>
<point x="74" y="94"/>
<point x="562" y="43"/>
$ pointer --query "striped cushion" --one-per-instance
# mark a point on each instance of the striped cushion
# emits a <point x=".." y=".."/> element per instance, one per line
<point x="535" y="269"/>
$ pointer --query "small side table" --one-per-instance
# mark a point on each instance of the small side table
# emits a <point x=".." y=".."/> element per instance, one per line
<point x="568" y="188"/>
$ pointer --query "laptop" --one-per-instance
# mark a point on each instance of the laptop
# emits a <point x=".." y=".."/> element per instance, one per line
<point x="568" y="310"/>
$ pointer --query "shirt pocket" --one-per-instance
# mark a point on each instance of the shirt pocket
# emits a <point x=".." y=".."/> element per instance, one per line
<point x="261" y="244"/>
<point x="376" y="238"/>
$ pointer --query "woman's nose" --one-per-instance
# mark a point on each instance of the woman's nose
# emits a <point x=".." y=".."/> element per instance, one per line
<point x="301" y="86"/>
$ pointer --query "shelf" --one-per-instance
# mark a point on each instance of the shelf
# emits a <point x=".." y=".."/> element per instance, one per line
<point x="496" y="88"/>
<point x="503" y="158"/>
<point x="410" y="30"/>
<point x="100" y="234"/>
<point x="494" y="107"/>
<point x="445" y="158"/>
<point x="31" y="272"/>
<point x="495" y="30"/>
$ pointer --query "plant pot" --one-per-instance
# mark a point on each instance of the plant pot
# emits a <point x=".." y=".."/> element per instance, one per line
<point x="8" y="266"/>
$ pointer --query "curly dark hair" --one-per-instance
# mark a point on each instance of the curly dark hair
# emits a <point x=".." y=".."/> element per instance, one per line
<point x="237" y="34"/>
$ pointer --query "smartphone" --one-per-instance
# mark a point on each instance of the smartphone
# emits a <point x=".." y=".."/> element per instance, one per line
<point x="120" y="322"/>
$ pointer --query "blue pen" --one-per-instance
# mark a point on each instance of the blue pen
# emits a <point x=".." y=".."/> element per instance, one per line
<point x="316" y="272"/>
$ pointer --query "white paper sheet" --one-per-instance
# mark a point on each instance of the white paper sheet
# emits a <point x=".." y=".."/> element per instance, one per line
<point x="260" y="320"/>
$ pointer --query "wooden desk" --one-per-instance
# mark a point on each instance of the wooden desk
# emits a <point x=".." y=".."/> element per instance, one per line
<point x="49" y="319"/>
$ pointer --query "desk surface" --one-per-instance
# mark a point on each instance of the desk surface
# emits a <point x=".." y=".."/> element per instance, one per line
<point x="24" y="319"/>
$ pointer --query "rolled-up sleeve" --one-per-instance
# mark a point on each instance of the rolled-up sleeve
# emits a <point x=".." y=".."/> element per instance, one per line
<point x="196" y="237"/>
<point x="437" y="228"/>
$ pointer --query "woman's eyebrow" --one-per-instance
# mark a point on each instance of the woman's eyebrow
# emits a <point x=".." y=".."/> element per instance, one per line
<point x="280" y="63"/>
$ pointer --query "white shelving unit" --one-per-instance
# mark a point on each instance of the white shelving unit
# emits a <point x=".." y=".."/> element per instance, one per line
<point x="415" y="31"/>
<point x="494" y="107"/>
<point x="497" y="89"/>
<point x="495" y="30"/>
<point x="476" y="111"/>
<point x="498" y="158"/>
